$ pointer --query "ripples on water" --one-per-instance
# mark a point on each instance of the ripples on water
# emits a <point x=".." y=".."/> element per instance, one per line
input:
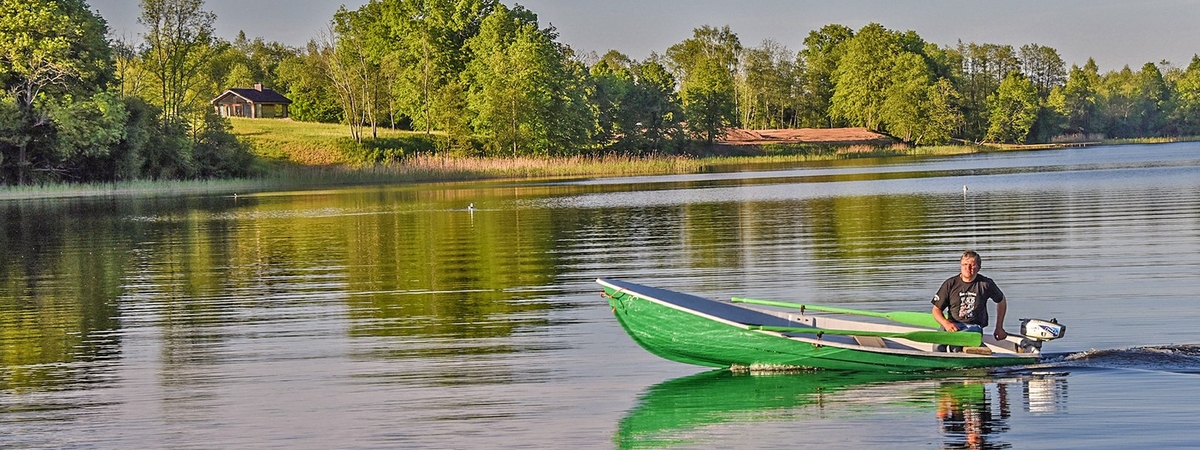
<point x="395" y="317"/>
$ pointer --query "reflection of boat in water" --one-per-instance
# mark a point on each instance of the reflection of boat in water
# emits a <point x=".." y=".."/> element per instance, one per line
<point x="972" y="408"/>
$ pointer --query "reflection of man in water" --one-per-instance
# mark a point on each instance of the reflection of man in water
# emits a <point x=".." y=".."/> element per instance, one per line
<point x="966" y="415"/>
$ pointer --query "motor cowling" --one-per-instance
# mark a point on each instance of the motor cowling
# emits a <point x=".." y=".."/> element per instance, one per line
<point x="1042" y="330"/>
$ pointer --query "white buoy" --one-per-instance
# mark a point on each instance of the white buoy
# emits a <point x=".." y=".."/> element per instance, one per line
<point x="471" y="207"/>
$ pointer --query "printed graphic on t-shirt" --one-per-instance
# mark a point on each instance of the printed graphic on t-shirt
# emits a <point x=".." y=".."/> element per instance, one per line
<point x="966" y="306"/>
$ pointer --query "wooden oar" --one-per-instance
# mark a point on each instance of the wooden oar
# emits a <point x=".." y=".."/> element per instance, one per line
<point x="957" y="338"/>
<point x="919" y="319"/>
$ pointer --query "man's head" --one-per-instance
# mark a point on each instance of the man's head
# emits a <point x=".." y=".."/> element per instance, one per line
<point x="969" y="265"/>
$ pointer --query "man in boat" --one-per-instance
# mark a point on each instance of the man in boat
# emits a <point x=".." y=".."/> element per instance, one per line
<point x="964" y="297"/>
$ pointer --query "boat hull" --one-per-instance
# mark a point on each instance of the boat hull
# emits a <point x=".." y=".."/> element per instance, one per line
<point x="694" y="330"/>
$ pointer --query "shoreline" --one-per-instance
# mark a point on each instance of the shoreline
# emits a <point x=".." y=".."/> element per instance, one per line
<point x="756" y="148"/>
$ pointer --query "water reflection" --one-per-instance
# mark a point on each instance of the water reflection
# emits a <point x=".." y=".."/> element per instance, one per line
<point x="972" y="409"/>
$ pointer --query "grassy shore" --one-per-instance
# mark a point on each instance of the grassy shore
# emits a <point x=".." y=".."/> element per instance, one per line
<point x="303" y="155"/>
<point x="325" y="151"/>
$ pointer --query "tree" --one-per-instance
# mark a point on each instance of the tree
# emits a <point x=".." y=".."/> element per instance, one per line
<point x="1153" y="99"/>
<point x="1043" y="66"/>
<point x="310" y="89"/>
<point x="525" y="95"/>
<point x="1186" y="99"/>
<point x="916" y="108"/>
<point x="817" y="64"/>
<point x="614" y="85"/>
<point x="425" y="41"/>
<point x="1014" y="109"/>
<point x="698" y="64"/>
<point x="768" y="80"/>
<point x="655" y="109"/>
<point x="1077" y="100"/>
<point x="982" y="68"/>
<point x="179" y="34"/>
<point x="863" y="77"/>
<point x="708" y="101"/>
<point x="48" y="49"/>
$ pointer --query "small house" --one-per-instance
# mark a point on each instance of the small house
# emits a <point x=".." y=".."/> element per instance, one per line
<point x="256" y="103"/>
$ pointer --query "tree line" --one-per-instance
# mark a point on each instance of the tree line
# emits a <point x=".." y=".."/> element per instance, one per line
<point x="77" y="107"/>
<point x="478" y="77"/>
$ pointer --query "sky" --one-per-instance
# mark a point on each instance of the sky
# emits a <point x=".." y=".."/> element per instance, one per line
<point x="1113" y="32"/>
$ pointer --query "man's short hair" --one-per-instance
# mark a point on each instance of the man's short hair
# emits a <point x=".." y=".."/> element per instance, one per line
<point x="973" y="255"/>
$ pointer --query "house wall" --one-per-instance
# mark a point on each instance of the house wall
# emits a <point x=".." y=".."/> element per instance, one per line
<point x="235" y="107"/>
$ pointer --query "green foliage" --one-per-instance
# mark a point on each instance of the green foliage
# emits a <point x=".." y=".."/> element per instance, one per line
<point x="708" y="102"/>
<point x="1186" y="100"/>
<point x="48" y="49"/>
<point x="181" y="44"/>
<point x="388" y="149"/>
<point x="309" y="89"/>
<point x="1014" y="109"/>
<point x="817" y="64"/>
<point x="524" y="95"/>
<point x="863" y="76"/>
<point x="767" y="82"/>
<point x="705" y="64"/>
<point x="217" y="153"/>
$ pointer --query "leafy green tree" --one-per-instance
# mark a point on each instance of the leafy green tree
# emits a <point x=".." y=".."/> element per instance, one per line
<point x="1120" y="103"/>
<point x="526" y="97"/>
<point x="1153" y="101"/>
<point x="48" y="49"/>
<point x="310" y="90"/>
<point x="1185" y="112"/>
<point x="816" y="65"/>
<point x="768" y="80"/>
<point x="1014" y="109"/>
<point x="352" y="69"/>
<point x="451" y="115"/>
<point x="655" y="110"/>
<point x="218" y="154"/>
<point x="614" y="86"/>
<point x="707" y="46"/>
<point x="864" y="75"/>
<point x="981" y="70"/>
<point x="917" y="109"/>
<point x="708" y="101"/>
<point x="85" y="130"/>
<point x="1078" y="100"/>
<point x="180" y="40"/>
<point x="424" y="40"/>
<point x="705" y="65"/>
<point x="1043" y="66"/>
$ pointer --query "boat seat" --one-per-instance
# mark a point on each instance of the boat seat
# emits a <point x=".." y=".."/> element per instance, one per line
<point x="870" y="341"/>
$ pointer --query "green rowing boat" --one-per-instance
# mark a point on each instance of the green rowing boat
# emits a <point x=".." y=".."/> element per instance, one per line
<point x="696" y="330"/>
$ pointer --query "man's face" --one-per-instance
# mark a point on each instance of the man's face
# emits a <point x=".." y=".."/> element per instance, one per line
<point x="969" y="268"/>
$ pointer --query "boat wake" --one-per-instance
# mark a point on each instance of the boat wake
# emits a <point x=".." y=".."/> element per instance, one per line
<point x="1166" y="358"/>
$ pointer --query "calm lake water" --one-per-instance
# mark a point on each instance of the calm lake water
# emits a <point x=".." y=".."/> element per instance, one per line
<point x="396" y="317"/>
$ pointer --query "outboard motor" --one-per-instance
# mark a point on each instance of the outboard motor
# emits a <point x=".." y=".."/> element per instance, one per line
<point x="1037" y="331"/>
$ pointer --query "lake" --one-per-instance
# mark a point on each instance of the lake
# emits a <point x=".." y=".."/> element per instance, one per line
<point x="466" y="315"/>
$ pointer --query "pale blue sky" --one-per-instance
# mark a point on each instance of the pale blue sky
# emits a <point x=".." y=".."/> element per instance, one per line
<point x="1114" y="32"/>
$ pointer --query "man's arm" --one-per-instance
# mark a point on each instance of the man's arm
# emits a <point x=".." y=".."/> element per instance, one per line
<point x="941" y="318"/>
<point x="1001" y="309"/>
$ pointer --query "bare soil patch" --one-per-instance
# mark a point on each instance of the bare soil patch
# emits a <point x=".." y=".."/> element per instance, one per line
<point x="847" y="136"/>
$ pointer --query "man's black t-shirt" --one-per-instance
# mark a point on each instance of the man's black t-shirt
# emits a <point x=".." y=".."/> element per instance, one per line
<point x="967" y="302"/>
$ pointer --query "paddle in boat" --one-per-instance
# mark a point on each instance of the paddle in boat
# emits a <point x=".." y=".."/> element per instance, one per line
<point x="696" y="330"/>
